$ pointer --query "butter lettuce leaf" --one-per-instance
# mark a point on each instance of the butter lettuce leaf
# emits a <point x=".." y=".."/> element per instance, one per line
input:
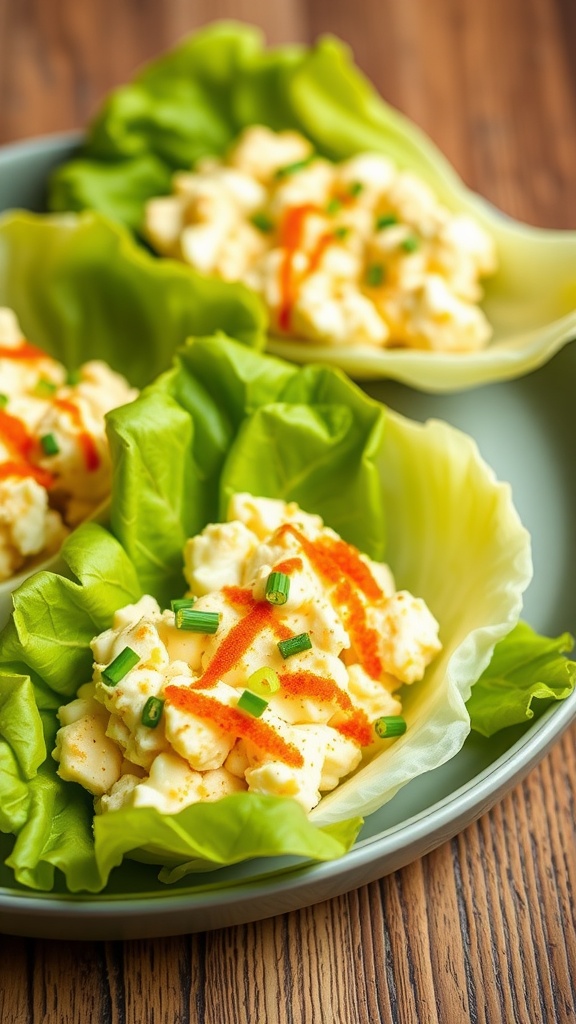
<point x="528" y="672"/>
<point x="196" y="98"/>
<point x="226" y="418"/>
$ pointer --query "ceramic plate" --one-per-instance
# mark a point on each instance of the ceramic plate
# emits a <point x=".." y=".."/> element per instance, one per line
<point x="524" y="430"/>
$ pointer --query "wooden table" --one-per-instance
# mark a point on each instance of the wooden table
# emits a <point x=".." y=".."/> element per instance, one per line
<point x="483" y="928"/>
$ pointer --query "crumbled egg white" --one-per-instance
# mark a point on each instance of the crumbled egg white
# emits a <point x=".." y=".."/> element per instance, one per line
<point x="45" y="492"/>
<point x="350" y="253"/>
<point x="365" y="640"/>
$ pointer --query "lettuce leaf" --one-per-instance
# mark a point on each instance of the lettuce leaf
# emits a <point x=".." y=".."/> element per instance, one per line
<point x="195" y="99"/>
<point x="527" y="673"/>
<point x="226" y="417"/>
<point x="82" y="289"/>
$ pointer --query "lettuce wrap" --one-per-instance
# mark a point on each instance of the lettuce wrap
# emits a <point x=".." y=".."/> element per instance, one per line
<point x="225" y="418"/>
<point x="193" y="102"/>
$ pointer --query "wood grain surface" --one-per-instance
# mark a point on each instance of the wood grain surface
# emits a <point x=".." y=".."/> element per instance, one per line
<point x="482" y="929"/>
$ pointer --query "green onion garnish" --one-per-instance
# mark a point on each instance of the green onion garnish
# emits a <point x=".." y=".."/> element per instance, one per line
<point x="49" y="444"/>
<point x="385" y="220"/>
<point x="197" y="622"/>
<point x="73" y="377"/>
<point x="341" y="232"/>
<point x="389" y="726"/>
<point x="298" y="165"/>
<point x="294" y="644"/>
<point x="152" y="712"/>
<point x="277" y="588"/>
<point x="356" y="188"/>
<point x="264" y="681"/>
<point x="120" y="667"/>
<point x="410" y="244"/>
<point x="333" y="205"/>
<point x="251" y="703"/>
<point x="182" y="602"/>
<point x="262" y="221"/>
<point x="3" y="401"/>
<point x="44" y="388"/>
<point x="374" y="275"/>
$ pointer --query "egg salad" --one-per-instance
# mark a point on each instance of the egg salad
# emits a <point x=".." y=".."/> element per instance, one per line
<point x="54" y="460"/>
<point x="350" y="253"/>
<point x="278" y="673"/>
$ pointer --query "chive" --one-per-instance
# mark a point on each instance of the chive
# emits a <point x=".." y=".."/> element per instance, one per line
<point x="262" y="221"/>
<point x="410" y="244"/>
<point x="374" y="275"/>
<point x="251" y="703"/>
<point x="298" y="165"/>
<point x="341" y="232"/>
<point x="264" y="681"/>
<point x="49" y="444"/>
<point x="277" y="588"/>
<point x="3" y="401"/>
<point x="294" y="644"/>
<point x="356" y="188"/>
<point x="44" y="388"/>
<point x="334" y="205"/>
<point x="197" y="622"/>
<point x="182" y="602"/>
<point x="121" y="666"/>
<point x="152" y="712"/>
<point x="390" y="725"/>
<point x="385" y="220"/>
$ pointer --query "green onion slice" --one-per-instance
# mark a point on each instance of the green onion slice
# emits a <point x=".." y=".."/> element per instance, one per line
<point x="251" y="703"/>
<point x="374" y="275"/>
<point x="389" y="726"/>
<point x="298" y="165"/>
<point x="410" y="244"/>
<point x="152" y="712"/>
<point x="294" y="645"/>
<point x="385" y="220"/>
<point x="277" y="588"/>
<point x="264" y="681"/>
<point x="262" y="221"/>
<point x="356" y="188"/>
<point x="44" y="388"/>
<point x="197" y="622"/>
<point x="120" y="667"/>
<point x="182" y="602"/>
<point x="341" y="232"/>
<point x="334" y="205"/>
<point x="3" y="401"/>
<point x="49" y="444"/>
<point x="73" y="377"/>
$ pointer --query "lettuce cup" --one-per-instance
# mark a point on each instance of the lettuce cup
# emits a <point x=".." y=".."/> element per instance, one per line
<point x="226" y="421"/>
<point x="284" y="168"/>
<point x="86" y="318"/>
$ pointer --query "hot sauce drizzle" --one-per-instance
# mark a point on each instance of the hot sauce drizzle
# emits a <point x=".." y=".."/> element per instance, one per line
<point x="236" y="722"/>
<point x="355" y="725"/>
<point x="23" y="447"/>
<point x="26" y="351"/>
<point x="87" y="442"/>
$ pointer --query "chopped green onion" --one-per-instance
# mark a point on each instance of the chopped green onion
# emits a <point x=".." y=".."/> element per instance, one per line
<point x="264" y="681"/>
<point x="251" y="703"/>
<point x="410" y="244"/>
<point x="334" y="205"/>
<point x="197" y="622"/>
<point x="49" y="444"/>
<point x="44" y="388"/>
<point x="152" y="712"/>
<point x="294" y="645"/>
<point x="374" y="275"/>
<point x="73" y="377"/>
<point x="356" y="188"/>
<point x="120" y="667"/>
<point x="277" y="588"/>
<point x="182" y="602"/>
<point x="389" y="726"/>
<point x="341" y="232"/>
<point x="3" y="401"/>
<point x="298" y="165"/>
<point x="262" y="221"/>
<point x="385" y="220"/>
